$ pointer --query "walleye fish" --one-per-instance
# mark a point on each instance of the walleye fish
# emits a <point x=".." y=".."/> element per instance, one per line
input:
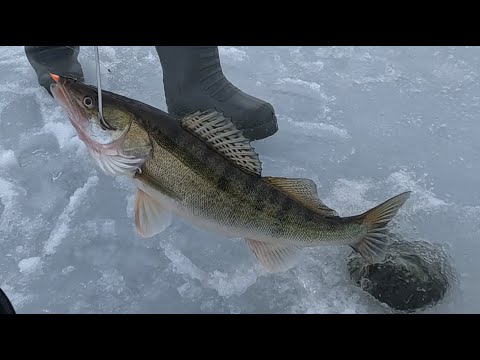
<point x="203" y="169"/>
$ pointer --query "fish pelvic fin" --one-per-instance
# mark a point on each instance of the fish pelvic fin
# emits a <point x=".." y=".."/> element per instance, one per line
<point x="372" y="245"/>
<point x="151" y="217"/>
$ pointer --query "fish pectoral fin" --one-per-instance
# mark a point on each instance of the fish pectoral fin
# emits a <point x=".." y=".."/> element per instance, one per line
<point x="151" y="218"/>
<point x="302" y="190"/>
<point x="115" y="163"/>
<point x="274" y="257"/>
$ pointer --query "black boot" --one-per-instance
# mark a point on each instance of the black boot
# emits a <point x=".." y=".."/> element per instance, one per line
<point x="5" y="304"/>
<point x="60" y="60"/>
<point x="193" y="80"/>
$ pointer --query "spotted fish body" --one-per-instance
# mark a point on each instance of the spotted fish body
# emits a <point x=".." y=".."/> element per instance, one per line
<point x="201" y="168"/>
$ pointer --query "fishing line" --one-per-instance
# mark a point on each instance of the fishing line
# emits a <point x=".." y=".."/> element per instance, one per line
<point x="99" y="82"/>
<point x="78" y="51"/>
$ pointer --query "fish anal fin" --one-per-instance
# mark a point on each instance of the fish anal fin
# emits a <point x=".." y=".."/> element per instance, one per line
<point x="274" y="257"/>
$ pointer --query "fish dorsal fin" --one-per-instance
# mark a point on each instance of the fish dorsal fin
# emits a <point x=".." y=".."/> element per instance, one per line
<point x="302" y="190"/>
<point x="221" y="134"/>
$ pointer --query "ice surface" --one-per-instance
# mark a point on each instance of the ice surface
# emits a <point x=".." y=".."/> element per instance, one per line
<point x="364" y="123"/>
<point x="30" y="265"/>
<point x="61" y="228"/>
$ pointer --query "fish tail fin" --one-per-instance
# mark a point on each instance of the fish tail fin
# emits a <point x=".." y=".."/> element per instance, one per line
<point x="372" y="245"/>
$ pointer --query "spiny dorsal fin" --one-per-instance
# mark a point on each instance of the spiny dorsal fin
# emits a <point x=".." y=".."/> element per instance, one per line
<point x="274" y="257"/>
<point x="222" y="135"/>
<point x="302" y="190"/>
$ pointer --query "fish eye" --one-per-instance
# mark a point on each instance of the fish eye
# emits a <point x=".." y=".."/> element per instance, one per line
<point x="87" y="101"/>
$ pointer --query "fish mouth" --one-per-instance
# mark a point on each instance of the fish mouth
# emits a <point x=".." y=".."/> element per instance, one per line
<point x="78" y="117"/>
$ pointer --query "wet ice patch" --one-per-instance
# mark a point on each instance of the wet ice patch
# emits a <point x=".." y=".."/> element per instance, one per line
<point x="30" y="265"/>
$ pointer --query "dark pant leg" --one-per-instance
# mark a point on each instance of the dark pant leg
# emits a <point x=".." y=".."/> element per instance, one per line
<point x="60" y="60"/>
<point x="193" y="80"/>
<point x="5" y="304"/>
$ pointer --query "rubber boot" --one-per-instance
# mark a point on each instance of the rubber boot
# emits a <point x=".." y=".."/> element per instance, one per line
<point x="60" y="60"/>
<point x="5" y="304"/>
<point x="193" y="80"/>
